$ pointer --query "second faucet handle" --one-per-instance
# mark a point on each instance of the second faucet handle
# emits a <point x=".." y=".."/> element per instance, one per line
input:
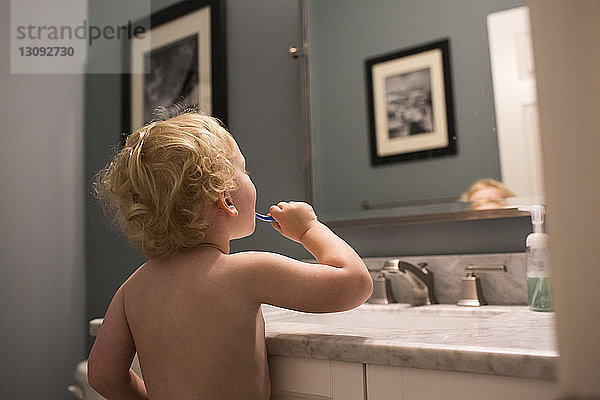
<point x="471" y="293"/>
<point x="472" y="269"/>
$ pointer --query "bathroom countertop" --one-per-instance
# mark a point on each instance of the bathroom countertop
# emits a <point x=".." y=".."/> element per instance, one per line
<point x="498" y="340"/>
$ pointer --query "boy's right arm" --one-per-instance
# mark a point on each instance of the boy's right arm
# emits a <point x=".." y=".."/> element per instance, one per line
<point x="339" y="282"/>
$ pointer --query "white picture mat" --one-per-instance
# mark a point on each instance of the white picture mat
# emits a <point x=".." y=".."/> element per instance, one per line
<point x="173" y="31"/>
<point x="387" y="146"/>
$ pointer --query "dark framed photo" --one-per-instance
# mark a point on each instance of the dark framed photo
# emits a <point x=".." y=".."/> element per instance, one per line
<point x="181" y="61"/>
<point x="411" y="113"/>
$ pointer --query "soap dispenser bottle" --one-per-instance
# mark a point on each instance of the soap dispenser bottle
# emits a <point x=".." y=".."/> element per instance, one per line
<point x="539" y="287"/>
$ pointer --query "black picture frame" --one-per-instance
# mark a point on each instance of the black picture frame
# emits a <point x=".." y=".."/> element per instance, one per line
<point x="410" y="104"/>
<point x="181" y="29"/>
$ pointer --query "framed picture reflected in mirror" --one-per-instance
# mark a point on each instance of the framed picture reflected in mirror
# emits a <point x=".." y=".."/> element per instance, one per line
<point x="411" y="112"/>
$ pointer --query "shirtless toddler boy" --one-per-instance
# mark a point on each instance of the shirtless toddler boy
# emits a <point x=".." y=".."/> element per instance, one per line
<point x="180" y="192"/>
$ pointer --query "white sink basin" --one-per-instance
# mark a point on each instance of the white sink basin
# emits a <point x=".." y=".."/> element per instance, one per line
<point x="394" y="316"/>
<point x="381" y="320"/>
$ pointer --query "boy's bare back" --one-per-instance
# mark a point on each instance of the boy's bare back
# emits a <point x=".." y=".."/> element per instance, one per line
<point x="197" y="333"/>
<point x="195" y="321"/>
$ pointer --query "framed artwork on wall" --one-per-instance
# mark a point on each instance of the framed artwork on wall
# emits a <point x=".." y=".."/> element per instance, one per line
<point x="180" y="62"/>
<point x="411" y="113"/>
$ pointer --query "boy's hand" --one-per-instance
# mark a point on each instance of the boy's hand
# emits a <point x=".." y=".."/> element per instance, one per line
<point x="293" y="219"/>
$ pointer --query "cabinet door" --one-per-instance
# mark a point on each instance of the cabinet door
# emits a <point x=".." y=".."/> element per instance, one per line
<point x="384" y="382"/>
<point x="347" y="380"/>
<point x="285" y="395"/>
<point x="396" y="383"/>
<point x="309" y="379"/>
<point x="450" y="385"/>
<point x="291" y="375"/>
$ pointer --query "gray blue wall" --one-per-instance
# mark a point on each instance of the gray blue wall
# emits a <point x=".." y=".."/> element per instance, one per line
<point x="42" y="269"/>
<point x="264" y="116"/>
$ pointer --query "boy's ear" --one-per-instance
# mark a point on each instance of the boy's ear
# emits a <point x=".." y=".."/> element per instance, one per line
<point x="226" y="205"/>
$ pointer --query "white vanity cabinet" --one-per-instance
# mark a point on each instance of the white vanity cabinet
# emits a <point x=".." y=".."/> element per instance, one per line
<point x="396" y="383"/>
<point x="311" y="379"/>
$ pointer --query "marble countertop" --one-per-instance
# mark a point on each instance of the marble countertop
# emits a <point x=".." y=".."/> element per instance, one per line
<point x="498" y="340"/>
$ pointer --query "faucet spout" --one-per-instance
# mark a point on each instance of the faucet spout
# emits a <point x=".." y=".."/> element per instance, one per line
<point x="420" y="277"/>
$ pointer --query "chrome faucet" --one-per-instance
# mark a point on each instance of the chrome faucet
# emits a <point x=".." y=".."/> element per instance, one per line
<point x="419" y="278"/>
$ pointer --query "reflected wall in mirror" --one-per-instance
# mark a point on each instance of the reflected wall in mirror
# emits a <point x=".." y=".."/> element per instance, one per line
<point x="342" y="35"/>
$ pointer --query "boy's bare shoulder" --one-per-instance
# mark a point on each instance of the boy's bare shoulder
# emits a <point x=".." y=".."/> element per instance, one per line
<point x="139" y="274"/>
<point x="258" y="258"/>
<point x="248" y="256"/>
<point x="252" y="264"/>
<point x="256" y="266"/>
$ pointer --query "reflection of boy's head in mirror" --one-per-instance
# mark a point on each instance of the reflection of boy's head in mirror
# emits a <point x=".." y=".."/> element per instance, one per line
<point x="487" y="194"/>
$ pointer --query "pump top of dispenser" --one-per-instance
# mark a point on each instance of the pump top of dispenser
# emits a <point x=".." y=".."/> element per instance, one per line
<point x="538" y="238"/>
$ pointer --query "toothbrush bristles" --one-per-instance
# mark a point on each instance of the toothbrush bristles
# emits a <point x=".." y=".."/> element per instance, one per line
<point x="265" y="218"/>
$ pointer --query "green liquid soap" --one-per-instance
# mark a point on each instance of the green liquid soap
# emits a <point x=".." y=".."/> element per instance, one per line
<point x="540" y="294"/>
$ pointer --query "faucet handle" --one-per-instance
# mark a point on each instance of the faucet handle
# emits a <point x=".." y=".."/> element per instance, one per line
<point x="382" y="291"/>
<point x="471" y="293"/>
<point x="472" y="268"/>
<point x="390" y="265"/>
<point x="422" y="267"/>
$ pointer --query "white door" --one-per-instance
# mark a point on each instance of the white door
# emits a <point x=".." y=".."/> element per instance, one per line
<point x="513" y="76"/>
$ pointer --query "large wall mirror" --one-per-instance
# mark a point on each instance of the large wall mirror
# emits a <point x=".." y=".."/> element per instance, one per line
<point x="491" y="106"/>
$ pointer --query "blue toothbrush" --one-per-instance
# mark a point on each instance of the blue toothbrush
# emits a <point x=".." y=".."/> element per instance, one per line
<point x="265" y="218"/>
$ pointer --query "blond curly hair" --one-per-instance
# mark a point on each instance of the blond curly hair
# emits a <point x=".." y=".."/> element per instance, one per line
<point x="158" y="185"/>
